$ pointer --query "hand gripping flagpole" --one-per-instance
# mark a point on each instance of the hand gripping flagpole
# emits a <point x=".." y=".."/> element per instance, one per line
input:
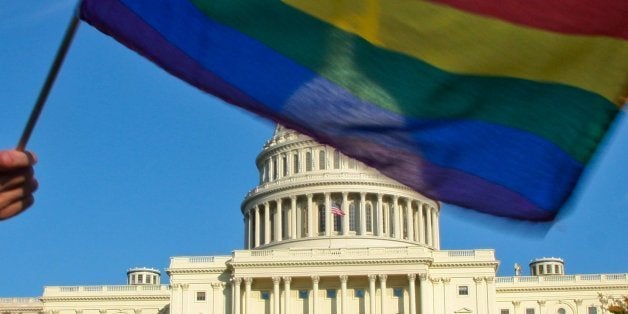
<point x="50" y="79"/>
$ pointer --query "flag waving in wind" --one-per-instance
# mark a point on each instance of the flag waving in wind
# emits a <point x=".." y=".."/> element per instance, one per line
<point x="335" y="209"/>
<point x="492" y="105"/>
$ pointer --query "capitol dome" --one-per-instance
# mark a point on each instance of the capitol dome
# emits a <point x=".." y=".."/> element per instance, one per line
<point x="301" y="181"/>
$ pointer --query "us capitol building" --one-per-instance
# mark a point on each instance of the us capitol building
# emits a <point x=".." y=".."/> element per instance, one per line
<point x="325" y="234"/>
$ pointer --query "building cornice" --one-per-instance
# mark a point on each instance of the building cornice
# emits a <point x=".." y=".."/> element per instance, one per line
<point x="302" y="263"/>
<point x="561" y="288"/>
<point x="165" y="297"/>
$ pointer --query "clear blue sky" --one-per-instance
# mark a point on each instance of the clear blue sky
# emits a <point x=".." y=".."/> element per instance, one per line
<point x="136" y="167"/>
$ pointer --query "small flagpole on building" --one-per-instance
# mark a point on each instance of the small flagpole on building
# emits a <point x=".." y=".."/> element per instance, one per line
<point x="50" y="79"/>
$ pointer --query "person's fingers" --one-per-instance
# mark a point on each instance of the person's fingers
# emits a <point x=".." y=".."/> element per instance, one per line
<point x="12" y="159"/>
<point x="16" y="207"/>
<point x="12" y="179"/>
<point x="8" y="197"/>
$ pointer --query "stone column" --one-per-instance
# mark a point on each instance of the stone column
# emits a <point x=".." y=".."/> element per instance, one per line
<point x="315" y="280"/>
<point x="396" y="215"/>
<point x="421" y="238"/>
<point x="266" y="223"/>
<point x="278" y="222"/>
<point x="541" y="306"/>
<point x="362" y="213"/>
<point x="446" y="282"/>
<point x="412" y="292"/>
<point x="184" y="297"/>
<point x="438" y="295"/>
<point x="328" y="218"/>
<point x="248" y="281"/>
<point x="347" y="216"/>
<point x="428" y="223"/>
<point x="578" y="303"/>
<point x="436" y="231"/>
<point x="382" y="288"/>
<point x="480" y="295"/>
<point x="378" y="218"/>
<point x="310" y="217"/>
<point x="409" y="220"/>
<point x="286" y="284"/>
<point x="216" y="292"/>
<point x="257" y="231"/>
<point x="247" y="232"/>
<point x="426" y="289"/>
<point x="343" y="294"/>
<point x="276" y="295"/>
<point x="491" y="294"/>
<point x="515" y="305"/>
<point x="372" y="300"/>
<point x="236" y="281"/>
<point x="293" y="218"/>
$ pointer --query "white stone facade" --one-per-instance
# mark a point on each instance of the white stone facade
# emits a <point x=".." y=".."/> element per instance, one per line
<point x="382" y="256"/>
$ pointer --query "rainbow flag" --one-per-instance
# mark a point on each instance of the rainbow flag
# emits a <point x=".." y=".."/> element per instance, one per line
<point x="494" y="105"/>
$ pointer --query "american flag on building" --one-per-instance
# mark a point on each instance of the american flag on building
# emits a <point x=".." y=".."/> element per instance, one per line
<point x="335" y="209"/>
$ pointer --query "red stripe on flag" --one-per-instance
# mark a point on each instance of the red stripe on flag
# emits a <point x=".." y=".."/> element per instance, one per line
<point x="582" y="17"/>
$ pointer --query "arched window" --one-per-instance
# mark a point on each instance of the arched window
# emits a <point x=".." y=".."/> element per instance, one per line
<point x="369" y="217"/>
<point x="561" y="311"/>
<point x="266" y="175"/>
<point x="275" y="170"/>
<point x="337" y="223"/>
<point x="284" y="164"/>
<point x="321" y="218"/>
<point x="384" y="218"/>
<point x="353" y="217"/>
<point x="295" y="165"/>
<point x="391" y="219"/>
<point x="308" y="161"/>
<point x="336" y="159"/>
<point x="352" y="163"/>
<point x="321" y="160"/>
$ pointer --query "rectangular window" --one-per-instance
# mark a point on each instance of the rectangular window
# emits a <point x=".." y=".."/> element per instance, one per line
<point x="463" y="290"/>
<point x="556" y="270"/>
<point x="140" y="279"/>
<point x="200" y="296"/>
<point x="336" y="159"/>
<point x="592" y="310"/>
<point x="264" y="295"/>
<point x="548" y="269"/>
<point x="331" y="293"/>
<point x="504" y="311"/>
<point x="284" y="164"/>
<point x="147" y="279"/>
<point x="529" y="311"/>
<point x="398" y="292"/>
<point x="359" y="293"/>
<point x="303" y="294"/>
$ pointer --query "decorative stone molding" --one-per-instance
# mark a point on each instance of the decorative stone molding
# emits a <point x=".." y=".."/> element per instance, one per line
<point x="423" y="277"/>
<point x="248" y="281"/>
<point x="217" y="285"/>
<point x="578" y="302"/>
<point x="383" y="277"/>
<point x="286" y="279"/>
<point x="516" y="303"/>
<point x="435" y="280"/>
<point x="446" y="281"/>
<point x="478" y="280"/>
<point x="316" y="279"/>
<point x="276" y="280"/>
<point x="372" y="277"/>
<point x="541" y="302"/>
<point x="344" y="278"/>
<point x="412" y="277"/>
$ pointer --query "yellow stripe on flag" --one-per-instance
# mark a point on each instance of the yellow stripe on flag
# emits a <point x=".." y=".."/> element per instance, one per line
<point x="466" y="43"/>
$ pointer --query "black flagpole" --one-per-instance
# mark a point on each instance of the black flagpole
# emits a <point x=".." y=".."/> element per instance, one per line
<point x="50" y="79"/>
